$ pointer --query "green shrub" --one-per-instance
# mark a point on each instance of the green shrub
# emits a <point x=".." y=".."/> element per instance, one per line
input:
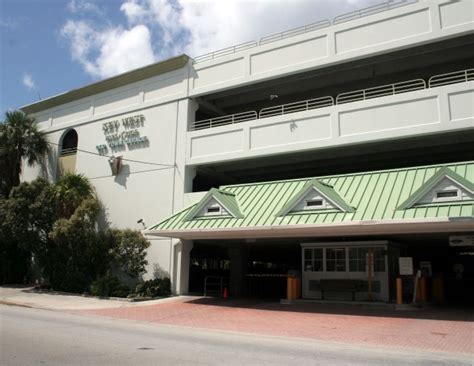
<point x="109" y="286"/>
<point x="154" y="288"/>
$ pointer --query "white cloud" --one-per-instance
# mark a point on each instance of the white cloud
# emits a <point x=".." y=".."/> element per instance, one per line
<point x="122" y="50"/>
<point x="200" y="26"/>
<point x="108" y="51"/>
<point x="83" y="6"/>
<point x="9" y="23"/>
<point x="28" y="81"/>
<point x="158" y="29"/>
<point x="134" y="12"/>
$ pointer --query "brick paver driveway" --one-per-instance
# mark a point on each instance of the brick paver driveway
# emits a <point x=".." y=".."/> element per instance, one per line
<point x="442" y="330"/>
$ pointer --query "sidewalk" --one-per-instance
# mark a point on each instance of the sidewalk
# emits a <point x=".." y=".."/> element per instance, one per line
<point x="432" y="330"/>
<point x="442" y="330"/>
<point x="24" y="296"/>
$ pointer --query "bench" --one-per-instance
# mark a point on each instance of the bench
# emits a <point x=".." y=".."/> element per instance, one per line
<point x="339" y="286"/>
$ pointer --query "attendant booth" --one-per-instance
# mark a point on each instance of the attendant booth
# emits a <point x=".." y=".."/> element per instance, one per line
<point x="355" y="270"/>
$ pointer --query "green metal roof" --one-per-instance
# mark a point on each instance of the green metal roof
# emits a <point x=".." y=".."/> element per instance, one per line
<point x="375" y="196"/>
<point x="430" y="183"/>
<point x="324" y="189"/>
<point x="226" y="199"/>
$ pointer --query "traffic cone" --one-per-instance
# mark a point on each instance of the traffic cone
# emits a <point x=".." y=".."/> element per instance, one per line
<point x="225" y="296"/>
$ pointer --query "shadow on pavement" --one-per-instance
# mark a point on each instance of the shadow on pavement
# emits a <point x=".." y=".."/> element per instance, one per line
<point x="449" y="312"/>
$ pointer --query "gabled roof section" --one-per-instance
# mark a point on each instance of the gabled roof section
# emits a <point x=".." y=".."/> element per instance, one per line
<point x="431" y="183"/>
<point x="375" y="194"/>
<point x="226" y="199"/>
<point x="324" y="189"/>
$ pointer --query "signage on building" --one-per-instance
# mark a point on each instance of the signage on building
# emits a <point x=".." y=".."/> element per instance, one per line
<point x="405" y="265"/>
<point x="116" y="164"/>
<point x="426" y="269"/>
<point x="461" y="241"/>
<point x="123" y="132"/>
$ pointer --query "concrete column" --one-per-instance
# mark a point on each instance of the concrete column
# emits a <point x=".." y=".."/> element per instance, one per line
<point x="238" y="269"/>
<point x="182" y="250"/>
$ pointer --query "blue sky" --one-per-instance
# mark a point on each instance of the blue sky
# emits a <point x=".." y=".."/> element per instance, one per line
<point x="48" y="47"/>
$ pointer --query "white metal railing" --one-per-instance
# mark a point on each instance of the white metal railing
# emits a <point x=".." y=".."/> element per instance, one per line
<point x="374" y="9"/>
<point x="451" y="78"/>
<point x="304" y="105"/>
<point x="381" y="91"/>
<point x="214" y="285"/>
<point x="225" y="51"/>
<point x="224" y="120"/>
<point x="295" y="31"/>
<point x="347" y="97"/>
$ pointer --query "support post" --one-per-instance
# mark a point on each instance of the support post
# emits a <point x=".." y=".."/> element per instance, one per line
<point x="238" y="255"/>
<point x="370" y="269"/>
<point x="182" y="260"/>
<point x="424" y="289"/>
<point x="399" y="291"/>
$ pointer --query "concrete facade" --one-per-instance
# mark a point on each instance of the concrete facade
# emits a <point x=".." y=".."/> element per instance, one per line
<point x="158" y="170"/>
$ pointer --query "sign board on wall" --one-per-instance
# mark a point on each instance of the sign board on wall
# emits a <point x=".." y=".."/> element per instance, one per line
<point x="461" y="241"/>
<point x="123" y="132"/>
<point x="405" y="265"/>
<point x="426" y="269"/>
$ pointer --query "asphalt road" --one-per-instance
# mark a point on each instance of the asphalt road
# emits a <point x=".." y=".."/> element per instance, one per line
<point x="41" y="337"/>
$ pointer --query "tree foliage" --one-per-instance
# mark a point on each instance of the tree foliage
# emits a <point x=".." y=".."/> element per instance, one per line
<point x="57" y="225"/>
<point x="20" y="140"/>
<point x="70" y="191"/>
<point x="127" y="251"/>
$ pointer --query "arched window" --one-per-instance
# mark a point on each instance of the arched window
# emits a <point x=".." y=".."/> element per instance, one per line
<point x="67" y="152"/>
<point x="69" y="143"/>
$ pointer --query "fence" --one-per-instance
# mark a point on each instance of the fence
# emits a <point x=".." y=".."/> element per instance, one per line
<point x="381" y="91"/>
<point x="451" y="78"/>
<point x="374" y="9"/>
<point x="214" y="285"/>
<point x="342" y="98"/>
<point x="224" y="120"/>
<point x="295" y="31"/>
<point x="304" y="105"/>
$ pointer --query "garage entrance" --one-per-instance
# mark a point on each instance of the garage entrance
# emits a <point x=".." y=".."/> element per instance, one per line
<point x="259" y="268"/>
<point x="449" y="269"/>
<point x="252" y="269"/>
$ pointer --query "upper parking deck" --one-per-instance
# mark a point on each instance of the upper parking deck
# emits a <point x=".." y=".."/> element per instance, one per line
<point x="383" y="28"/>
<point x="367" y="33"/>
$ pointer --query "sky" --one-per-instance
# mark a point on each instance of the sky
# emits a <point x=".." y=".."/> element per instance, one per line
<point x="48" y="47"/>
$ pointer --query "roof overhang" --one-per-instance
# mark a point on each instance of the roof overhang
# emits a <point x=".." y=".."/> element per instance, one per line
<point x="353" y="228"/>
<point x="126" y="78"/>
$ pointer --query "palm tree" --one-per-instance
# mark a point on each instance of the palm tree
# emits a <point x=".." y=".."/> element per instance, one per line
<point x="20" y="140"/>
<point x="70" y="191"/>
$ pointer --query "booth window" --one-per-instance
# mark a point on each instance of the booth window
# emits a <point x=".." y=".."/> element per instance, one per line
<point x="335" y="259"/>
<point x="345" y="259"/>
<point x="358" y="259"/>
<point x="313" y="260"/>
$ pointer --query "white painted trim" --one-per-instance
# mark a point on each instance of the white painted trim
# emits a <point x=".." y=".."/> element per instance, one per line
<point x="354" y="228"/>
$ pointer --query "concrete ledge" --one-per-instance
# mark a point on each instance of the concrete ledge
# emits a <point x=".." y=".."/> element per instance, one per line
<point x="366" y="304"/>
